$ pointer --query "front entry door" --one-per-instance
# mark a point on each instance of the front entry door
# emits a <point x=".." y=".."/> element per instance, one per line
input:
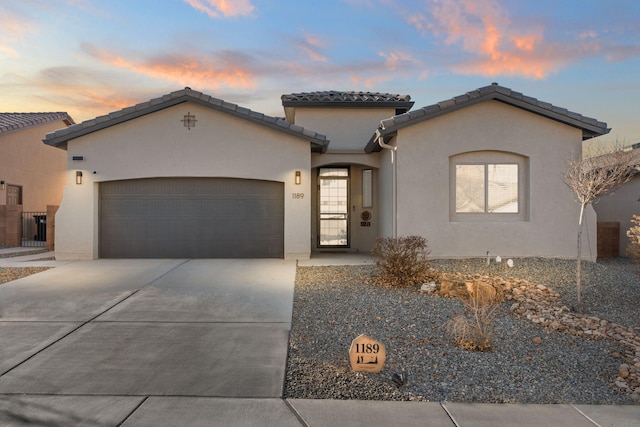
<point x="333" y="211"/>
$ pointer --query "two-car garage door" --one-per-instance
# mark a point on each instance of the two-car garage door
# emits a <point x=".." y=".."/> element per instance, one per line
<point x="191" y="218"/>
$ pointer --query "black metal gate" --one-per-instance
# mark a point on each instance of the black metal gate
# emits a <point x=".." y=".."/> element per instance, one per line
<point x="34" y="229"/>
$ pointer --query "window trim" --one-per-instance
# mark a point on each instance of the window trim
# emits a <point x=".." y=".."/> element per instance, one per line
<point x="490" y="158"/>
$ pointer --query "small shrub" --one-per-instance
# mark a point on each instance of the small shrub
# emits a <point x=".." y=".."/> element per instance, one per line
<point x="402" y="260"/>
<point x="634" y="235"/>
<point x="473" y="330"/>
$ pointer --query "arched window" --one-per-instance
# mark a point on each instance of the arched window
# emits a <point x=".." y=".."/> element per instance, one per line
<point x="488" y="186"/>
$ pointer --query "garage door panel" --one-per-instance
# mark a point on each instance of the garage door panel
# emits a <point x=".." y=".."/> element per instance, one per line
<point x="192" y="218"/>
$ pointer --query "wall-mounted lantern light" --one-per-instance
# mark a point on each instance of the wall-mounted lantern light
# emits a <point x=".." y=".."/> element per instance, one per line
<point x="189" y="121"/>
<point x="2" y="184"/>
<point x="78" y="177"/>
<point x="298" y="178"/>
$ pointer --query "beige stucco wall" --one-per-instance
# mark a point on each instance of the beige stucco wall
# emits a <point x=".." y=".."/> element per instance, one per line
<point x="348" y="129"/>
<point x="385" y="193"/>
<point x="620" y="206"/>
<point x="157" y="145"/>
<point x="39" y="169"/>
<point x="423" y="157"/>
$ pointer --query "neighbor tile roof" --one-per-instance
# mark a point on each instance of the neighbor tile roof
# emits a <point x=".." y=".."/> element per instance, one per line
<point x="60" y="137"/>
<point x="334" y="98"/>
<point x="10" y="122"/>
<point x="590" y="127"/>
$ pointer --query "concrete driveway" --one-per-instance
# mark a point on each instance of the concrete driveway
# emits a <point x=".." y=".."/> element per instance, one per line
<point x="105" y="336"/>
<point x="133" y="343"/>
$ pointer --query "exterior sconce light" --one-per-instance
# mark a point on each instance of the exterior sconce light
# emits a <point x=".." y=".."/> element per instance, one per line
<point x="78" y="177"/>
<point x="2" y="184"/>
<point x="189" y="121"/>
<point x="298" y="178"/>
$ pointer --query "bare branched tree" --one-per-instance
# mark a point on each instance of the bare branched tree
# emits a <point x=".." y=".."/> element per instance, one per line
<point x="590" y="178"/>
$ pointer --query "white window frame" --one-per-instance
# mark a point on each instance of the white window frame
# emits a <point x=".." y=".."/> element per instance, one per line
<point x="486" y="158"/>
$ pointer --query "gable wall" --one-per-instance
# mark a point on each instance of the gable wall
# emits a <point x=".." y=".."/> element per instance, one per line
<point x="38" y="168"/>
<point x="424" y="191"/>
<point x="157" y="145"/>
<point x="346" y="128"/>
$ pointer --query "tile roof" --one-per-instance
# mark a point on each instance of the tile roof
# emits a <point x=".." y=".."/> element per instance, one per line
<point x="590" y="127"/>
<point x="334" y="98"/>
<point x="60" y="137"/>
<point x="11" y="122"/>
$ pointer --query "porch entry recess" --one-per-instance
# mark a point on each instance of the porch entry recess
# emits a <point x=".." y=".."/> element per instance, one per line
<point x="333" y="199"/>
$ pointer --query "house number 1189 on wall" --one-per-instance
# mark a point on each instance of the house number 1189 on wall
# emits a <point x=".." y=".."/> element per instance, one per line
<point x="297" y="195"/>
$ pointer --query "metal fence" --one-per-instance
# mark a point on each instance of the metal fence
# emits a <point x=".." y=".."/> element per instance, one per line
<point x="34" y="229"/>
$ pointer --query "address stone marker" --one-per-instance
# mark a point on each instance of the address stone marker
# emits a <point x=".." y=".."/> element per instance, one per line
<point x="367" y="354"/>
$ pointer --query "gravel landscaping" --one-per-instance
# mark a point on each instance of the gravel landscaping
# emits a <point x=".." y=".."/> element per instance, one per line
<point x="7" y="274"/>
<point x="535" y="359"/>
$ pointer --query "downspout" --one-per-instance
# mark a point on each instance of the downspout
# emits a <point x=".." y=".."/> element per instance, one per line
<point x="392" y="149"/>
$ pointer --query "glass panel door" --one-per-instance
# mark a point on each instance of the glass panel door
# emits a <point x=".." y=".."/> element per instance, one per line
<point x="334" y="207"/>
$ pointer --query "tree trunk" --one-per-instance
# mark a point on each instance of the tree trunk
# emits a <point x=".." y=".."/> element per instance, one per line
<point x="579" y="262"/>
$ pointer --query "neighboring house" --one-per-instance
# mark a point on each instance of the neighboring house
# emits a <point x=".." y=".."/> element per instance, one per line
<point x="188" y="175"/>
<point x="32" y="175"/>
<point x="615" y="211"/>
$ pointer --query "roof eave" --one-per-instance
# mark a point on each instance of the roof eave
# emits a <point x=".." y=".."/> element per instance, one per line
<point x="373" y="146"/>
<point x="590" y="128"/>
<point x="350" y="104"/>
<point x="55" y="117"/>
<point x="60" y="138"/>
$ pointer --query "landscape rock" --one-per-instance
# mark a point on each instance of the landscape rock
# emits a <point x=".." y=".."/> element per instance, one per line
<point x="582" y="347"/>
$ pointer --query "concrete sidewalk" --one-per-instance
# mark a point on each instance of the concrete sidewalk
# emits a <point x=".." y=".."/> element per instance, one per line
<point x="192" y="343"/>
<point x="28" y="257"/>
<point x="195" y="411"/>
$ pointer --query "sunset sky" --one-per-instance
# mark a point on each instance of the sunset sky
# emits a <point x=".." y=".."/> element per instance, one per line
<point x="91" y="57"/>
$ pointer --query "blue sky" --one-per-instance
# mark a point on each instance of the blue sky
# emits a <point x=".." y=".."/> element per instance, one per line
<point x="91" y="57"/>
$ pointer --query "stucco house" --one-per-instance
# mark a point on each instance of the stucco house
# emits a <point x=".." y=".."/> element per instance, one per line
<point x="615" y="211"/>
<point x="32" y="175"/>
<point x="189" y="175"/>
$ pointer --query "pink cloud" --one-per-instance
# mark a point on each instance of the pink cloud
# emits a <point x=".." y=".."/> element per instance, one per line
<point x="197" y="71"/>
<point x="227" y="8"/>
<point x="396" y="59"/>
<point x="311" y="46"/>
<point x="420" y="23"/>
<point x="13" y="27"/>
<point x="102" y="100"/>
<point x="8" y="50"/>
<point x="495" y="45"/>
<point x="368" y="82"/>
<point x="83" y="93"/>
